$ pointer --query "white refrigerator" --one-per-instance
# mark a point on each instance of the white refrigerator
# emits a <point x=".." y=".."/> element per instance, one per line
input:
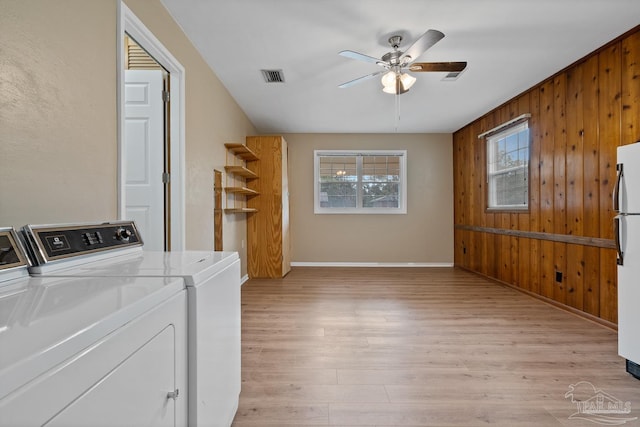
<point x="626" y="201"/>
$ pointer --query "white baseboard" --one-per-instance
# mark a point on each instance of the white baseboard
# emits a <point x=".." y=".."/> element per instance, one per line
<point x="372" y="264"/>
<point x="244" y="279"/>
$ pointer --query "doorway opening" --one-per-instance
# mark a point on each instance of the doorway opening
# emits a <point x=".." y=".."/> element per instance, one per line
<point x="147" y="146"/>
<point x="150" y="151"/>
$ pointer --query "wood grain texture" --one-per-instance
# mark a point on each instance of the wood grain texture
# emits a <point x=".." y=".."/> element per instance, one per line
<point x="217" y="210"/>
<point x="415" y="347"/>
<point x="268" y="253"/>
<point x="579" y="117"/>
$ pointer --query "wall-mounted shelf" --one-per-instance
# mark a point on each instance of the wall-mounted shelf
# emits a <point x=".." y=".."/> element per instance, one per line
<point x="240" y="210"/>
<point x="241" y="151"/>
<point x="237" y="176"/>
<point x="241" y="171"/>
<point x="241" y="190"/>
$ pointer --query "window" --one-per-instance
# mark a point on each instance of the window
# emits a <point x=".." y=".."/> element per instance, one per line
<point x="508" y="168"/>
<point x="360" y="182"/>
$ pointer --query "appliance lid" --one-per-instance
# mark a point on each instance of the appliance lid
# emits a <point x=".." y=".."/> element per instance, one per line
<point x="45" y="321"/>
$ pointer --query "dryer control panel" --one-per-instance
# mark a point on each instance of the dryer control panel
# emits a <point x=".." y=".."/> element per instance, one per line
<point x="48" y="243"/>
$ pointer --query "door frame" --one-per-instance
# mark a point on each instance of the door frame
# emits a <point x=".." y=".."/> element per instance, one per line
<point x="132" y="25"/>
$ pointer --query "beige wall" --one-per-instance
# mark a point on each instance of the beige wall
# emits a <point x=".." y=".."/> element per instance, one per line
<point x="423" y="235"/>
<point x="58" y="119"/>
<point x="57" y="111"/>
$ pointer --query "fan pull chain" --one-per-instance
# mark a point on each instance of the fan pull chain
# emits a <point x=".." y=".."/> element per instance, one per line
<point x="397" y="115"/>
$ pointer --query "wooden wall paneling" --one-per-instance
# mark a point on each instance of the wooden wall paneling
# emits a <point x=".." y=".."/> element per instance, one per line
<point x="631" y="89"/>
<point x="579" y="117"/>
<point x="504" y="249"/>
<point x="609" y="127"/>
<point x="514" y="243"/>
<point x="609" y="124"/>
<point x="510" y="112"/>
<point x="534" y="189"/>
<point x="591" y="194"/>
<point x="458" y="170"/>
<point x="457" y="189"/>
<point x="559" y="183"/>
<point x="546" y="187"/>
<point x="458" y="185"/>
<point x="487" y="261"/>
<point x="575" y="176"/>
<point x="467" y="208"/>
<point x="502" y="219"/>
<point x="472" y="193"/>
<point x="492" y="241"/>
<point x="457" y="248"/>
<point x="479" y="195"/>
<point x="524" y="218"/>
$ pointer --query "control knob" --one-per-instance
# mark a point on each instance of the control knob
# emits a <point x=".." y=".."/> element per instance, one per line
<point x="123" y="234"/>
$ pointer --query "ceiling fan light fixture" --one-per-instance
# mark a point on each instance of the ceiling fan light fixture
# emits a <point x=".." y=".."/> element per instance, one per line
<point x="407" y="80"/>
<point x="397" y="84"/>
<point x="389" y="79"/>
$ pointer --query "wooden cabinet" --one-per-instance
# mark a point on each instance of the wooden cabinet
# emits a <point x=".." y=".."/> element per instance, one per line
<point x="237" y="177"/>
<point x="268" y="249"/>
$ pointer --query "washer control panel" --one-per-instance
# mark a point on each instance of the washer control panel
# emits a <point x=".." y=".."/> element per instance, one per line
<point x="11" y="252"/>
<point x="53" y="242"/>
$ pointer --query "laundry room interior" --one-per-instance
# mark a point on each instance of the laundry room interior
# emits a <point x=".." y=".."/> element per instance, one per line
<point x="432" y="229"/>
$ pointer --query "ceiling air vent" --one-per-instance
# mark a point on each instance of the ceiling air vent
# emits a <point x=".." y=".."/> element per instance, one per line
<point x="273" y="76"/>
<point x="452" y="76"/>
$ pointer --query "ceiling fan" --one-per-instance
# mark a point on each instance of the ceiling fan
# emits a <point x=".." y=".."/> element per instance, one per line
<point x="395" y="80"/>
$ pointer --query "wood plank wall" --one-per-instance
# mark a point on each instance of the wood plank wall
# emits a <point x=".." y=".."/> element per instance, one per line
<point x="578" y="118"/>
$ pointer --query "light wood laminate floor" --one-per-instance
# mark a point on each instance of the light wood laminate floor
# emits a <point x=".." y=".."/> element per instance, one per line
<point x="418" y="347"/>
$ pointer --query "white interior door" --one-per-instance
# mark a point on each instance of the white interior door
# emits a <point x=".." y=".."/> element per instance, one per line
<point x="144" y="155"/>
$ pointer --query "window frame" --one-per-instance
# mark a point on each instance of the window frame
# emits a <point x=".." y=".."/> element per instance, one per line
<point x="402" y="185"/>
<point x="502" y="132"/>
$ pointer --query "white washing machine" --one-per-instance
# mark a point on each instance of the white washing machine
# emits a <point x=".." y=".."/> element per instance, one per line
<point x="80" y="351"/>
<point x="212" y="281"/>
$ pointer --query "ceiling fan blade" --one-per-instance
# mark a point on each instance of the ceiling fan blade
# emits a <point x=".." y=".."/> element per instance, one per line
<point x="361" y="79"/>
<point x="423" y="43"/>
<point x="361" y="57"/>
<point x="438" y="66"/>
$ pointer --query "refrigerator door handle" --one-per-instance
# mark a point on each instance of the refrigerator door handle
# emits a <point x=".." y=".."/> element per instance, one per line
<point x="616" y="188"/>
<point x="616" y="231"/>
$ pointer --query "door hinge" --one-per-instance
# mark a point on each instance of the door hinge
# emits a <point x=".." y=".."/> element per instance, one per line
<point x="166" y="177"/>
<point x="166" y="96"/>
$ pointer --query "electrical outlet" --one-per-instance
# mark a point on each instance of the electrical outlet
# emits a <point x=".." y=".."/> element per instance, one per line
<point x="242" y="243"/>
<point x="559" y="276"/>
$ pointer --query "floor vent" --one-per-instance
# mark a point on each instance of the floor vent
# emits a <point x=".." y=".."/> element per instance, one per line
<point x="273" y="76"/>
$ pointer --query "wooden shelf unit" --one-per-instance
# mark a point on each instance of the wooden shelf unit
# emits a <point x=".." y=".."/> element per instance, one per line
<point x="237" y="176"/>
<point x="268" y="240"/>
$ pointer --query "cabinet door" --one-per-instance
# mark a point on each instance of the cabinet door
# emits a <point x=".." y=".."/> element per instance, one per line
<point x="134" y="393"/>
<point x="268" y="254"/>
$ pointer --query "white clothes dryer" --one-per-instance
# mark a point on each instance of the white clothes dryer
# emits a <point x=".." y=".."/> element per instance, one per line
<point x="212" y="281"/>
<point x="80" y="351"/>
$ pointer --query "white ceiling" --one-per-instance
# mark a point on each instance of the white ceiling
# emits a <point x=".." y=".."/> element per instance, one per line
<point x="510" y="45"/>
